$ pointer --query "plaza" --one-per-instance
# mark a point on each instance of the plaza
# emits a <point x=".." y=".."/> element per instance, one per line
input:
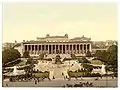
<point x="61" y="83"/>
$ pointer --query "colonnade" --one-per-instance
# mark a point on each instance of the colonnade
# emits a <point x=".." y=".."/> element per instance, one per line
<point x="57" y="48"/>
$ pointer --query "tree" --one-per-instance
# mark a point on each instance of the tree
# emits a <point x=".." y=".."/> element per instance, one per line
<point x="86" y="64"/>
<point x="29" y="61"/>
<point x="73" y="56"/>
<point x="26" y="54"/>
<point x="57" y="59"/>
<point x="101" y="55"/>
<point x="109" y="57"/>
<point x="9" y="55"/>
<point x="112" y="57"/>
<point x="88" y="54"/>
<point x="87" y="67"/>
<point x="83" y="60"/>
<point x="41" y="56"/>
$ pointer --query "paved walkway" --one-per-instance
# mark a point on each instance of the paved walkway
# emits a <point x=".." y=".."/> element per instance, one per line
<point x="60" y="83"/>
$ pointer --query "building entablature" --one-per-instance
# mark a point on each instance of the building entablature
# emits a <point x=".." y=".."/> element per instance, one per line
<point x="44" y="42"/>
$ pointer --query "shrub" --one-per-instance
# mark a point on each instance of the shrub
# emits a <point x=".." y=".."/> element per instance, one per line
<point x="95" y="75"/>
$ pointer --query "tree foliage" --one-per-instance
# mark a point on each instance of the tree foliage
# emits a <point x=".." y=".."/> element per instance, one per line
<point x="87" y="67"/>
<point x="86" y="64"/>
<point x="88" y="54"/>
<point x="101" y="55"/>
<point x="112" y="57"/>
<point x="26" y="54"/>
<point x="83" y="60"/>
<point x="109" y="57"/>
<point x="9" y="55"/>
<point x="73" y="56"/>
<point x="41" y="56"/>
<point x="57" y="59"/>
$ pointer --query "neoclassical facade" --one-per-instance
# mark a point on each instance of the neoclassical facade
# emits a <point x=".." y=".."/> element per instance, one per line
<point x="57" y="44"/>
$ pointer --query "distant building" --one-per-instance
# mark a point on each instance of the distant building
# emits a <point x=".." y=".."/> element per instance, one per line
<point x="111" y="42"/>
<point x="57" y="44"/>
<point x="7" y="45"/>
<point x="102" y="45"/>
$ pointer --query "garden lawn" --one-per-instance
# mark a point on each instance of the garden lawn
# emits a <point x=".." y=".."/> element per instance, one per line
<point x="97" y="62"/>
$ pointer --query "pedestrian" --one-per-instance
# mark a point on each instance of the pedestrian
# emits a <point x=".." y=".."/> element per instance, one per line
<point x="76" y="78"/>
<point x="96" y="78"/>
<point x="53" y="77"/>
<point x="49" y="79"/>
<point x="6" y="85"/>
<point x="66" y="76"/>
<point x="35" y="81"/>
<point x="62" y="74"/>
<point x="38" y="79"/>
<point x="112" y="77"/>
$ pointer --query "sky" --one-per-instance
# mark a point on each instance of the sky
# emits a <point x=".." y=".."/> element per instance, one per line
<point x="97" y="21"/>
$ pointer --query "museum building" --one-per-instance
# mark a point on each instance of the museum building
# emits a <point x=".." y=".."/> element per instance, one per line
<point x="57" y="45"/>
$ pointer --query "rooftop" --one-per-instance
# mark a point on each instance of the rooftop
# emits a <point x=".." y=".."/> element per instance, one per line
<point x="60" y="39"/>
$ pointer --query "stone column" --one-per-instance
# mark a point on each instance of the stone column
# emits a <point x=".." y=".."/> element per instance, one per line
<point x="65" y="49"/>
<point x="48" y="48"/>
<point x="69" y="48"/>
<point x="34" y="50"/>
<point x="44" y="48"/>
<point x="55" y="49"/>
<point x="72" y="48"/>
<point x="83" y="48"/>
<point x="27" y="48"/>
<point x="41" y="48"/>
<point x="30" y="49"/>
<point x="51" y="49"/>
<point x="86" y="48"/>
<point x="79" y="49"/>
<point x="38" y="49"/>
<point x="62" y="49"/>
<point x="90" y="48"/>
<point x="76" y="48"/>
<point x="59" y="48"/>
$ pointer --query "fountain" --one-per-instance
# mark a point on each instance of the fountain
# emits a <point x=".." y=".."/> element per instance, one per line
<point x="14" y="70"/>
<point x="103" y="69"/>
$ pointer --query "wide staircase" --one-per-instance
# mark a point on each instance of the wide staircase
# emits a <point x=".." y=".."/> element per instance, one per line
<point x="57" y="73"/>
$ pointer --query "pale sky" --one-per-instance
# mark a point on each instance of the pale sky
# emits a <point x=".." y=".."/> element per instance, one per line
<point x="28" y="21"/>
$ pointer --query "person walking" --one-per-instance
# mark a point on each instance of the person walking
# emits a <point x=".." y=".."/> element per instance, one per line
<point x="62" y="74"/>
<point x="35" y="81"/>
<point x="6" y="84"/>
<point x="53" y="77"/>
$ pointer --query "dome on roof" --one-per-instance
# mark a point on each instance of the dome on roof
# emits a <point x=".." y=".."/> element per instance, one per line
<point x="47" y="35"/>
<point x="66" y="35"/>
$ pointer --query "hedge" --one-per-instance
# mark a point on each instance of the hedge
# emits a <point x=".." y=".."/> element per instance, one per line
<point x="41" y="74"/>
<point x="83" y="74"/>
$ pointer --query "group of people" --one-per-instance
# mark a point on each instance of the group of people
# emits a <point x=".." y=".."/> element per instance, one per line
<point x="80" y="84"/>
<point x="65" y="76"/>
<point x="38" y="79"/>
